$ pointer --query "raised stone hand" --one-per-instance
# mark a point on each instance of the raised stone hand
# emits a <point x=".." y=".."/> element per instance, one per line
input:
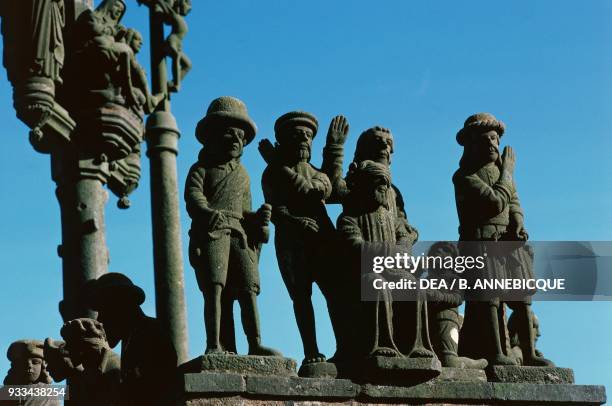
<point x="508" y="160"/>
<point x="268" y="151"/>
<point x="338" y="130"/>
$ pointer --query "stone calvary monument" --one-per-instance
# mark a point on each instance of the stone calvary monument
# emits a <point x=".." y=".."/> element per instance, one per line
<point x="78" y="86"/>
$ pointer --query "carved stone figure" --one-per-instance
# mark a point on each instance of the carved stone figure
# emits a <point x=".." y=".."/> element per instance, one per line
<point x="226" y="235"/>
<point x="489" y="210"/>
<point x="172" y="13"/>
<point x="297" y="190"/>
<point x="148" y="358"/>
<point x="93" y="370"/>
<point x="108" y="107"/>
<point x="515" y="337"/>
<point x="375" y="144"/>
<point x="28" y="367"/>
<point x="443" y="312"/>
<point x="366" y="218"/>
<point x="33" y="56"/>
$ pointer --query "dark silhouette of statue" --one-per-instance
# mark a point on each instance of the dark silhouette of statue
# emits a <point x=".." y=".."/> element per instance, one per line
<point x="443" y="311"/>
<point x="489" y="211"/>
<point x="515" y="337"/>
<point x="297" y="190"/>
<point x="226" y="235"/>
<point x="28" y="367"/>
<point x="381" y="327"/>
<point x="148" y="357"/>
<point x="94" y="370"/>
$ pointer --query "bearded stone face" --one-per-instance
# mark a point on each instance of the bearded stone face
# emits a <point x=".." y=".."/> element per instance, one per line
<point x="485" y="146"/>
<point x="297" y="141"/>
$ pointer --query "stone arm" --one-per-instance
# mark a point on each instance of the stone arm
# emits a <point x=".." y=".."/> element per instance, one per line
<point x="491" y="200"/>
<point x="333" y="158"/>
<point x="197" y="204"/>
<point x="254" y="223"/>
<point x="516" y="213"/>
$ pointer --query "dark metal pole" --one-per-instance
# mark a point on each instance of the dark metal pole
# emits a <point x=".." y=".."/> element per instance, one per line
<point x="162" y="148"/>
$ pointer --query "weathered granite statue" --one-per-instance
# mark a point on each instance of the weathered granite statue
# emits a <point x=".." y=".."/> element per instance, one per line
<point x="226" y="235"/>
<point x="489" y="210"/>
<point x="443" y="312"/>
<point x="148" y="358"/>
<point x="93" y="370"/>
<point x="375" y="144"/>
<point x="378" y="328"/>
<point x="297" y="190"/>
<point x="28" y="367"/>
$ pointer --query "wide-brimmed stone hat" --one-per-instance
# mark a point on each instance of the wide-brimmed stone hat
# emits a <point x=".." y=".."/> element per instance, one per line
<point x="227" y="110"/>
<point x="480" y="122"/>
<point x="116" y="288"/>
<point x="293" y="119"/>
<point x="23" y="349"/>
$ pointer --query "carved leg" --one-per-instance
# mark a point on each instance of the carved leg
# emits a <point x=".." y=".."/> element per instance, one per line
<point x="527" y="336"/>
<point x="228" y="334"/>
<point x="498" y="357"/>
<point x="212" y="319"/>
<point x="250" y="323"/>
<point x="304" y="316"/>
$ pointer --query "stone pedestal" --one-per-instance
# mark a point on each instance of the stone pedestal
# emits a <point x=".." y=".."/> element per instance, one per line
<point x="452" y="387"/>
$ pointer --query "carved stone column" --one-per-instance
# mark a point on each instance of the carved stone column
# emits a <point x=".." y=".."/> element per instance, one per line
<point x="162" y="148"/>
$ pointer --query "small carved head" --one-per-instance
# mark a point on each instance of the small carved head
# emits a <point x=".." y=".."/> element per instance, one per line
<point x="134" y="39"/>
<point x="480" y="137"/>
<point x="27" y="363"/>
<point x="294" y="132"/>
<point x="369" y="182"/>
<point x="375" y="144"/>
<point x="226" y="129"/>
<point x="183" y="7"/>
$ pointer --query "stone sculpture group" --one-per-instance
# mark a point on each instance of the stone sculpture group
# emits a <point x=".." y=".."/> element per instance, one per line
<point x="93" y="130"/>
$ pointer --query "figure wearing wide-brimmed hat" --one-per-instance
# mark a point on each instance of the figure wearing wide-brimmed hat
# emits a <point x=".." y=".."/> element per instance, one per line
<point x="489" y="210"/>
<point x="148" y="357"/>
<point x="226" y="235"/>
<point x="303" y="231"/>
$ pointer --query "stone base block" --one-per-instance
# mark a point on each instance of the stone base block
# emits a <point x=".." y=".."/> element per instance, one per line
<point x="400" y="371"/>
<point x="461" y="375"/>
<point x="518" y="374"/>
<point x="241" y="365"/>
<point x="233" y="389"/>
<point x="318" y="370"/>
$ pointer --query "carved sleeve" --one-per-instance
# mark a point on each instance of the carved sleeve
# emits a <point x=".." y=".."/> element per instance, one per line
<point x="350" y="233"/>
<point x="492" y="200"/>
<point x="333" y="157"/>
<point x="196" y="202"/>
<point x="321" y="182"/>
<point x="273" y="195"/>
<point x="515" y="203"/>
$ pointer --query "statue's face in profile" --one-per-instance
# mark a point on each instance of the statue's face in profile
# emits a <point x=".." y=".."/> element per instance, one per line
<point x="299" y="140"/>
<point x="486" y="146"/>
<point x="136" y="43"/>
<point x="30" y="369"/>
<point x="378" y="147"/>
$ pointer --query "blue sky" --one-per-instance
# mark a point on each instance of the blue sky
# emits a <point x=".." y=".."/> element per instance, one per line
<point x="418" y="68"/>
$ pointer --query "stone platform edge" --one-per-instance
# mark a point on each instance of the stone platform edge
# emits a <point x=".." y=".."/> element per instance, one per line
<point x="200" y="388"/>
